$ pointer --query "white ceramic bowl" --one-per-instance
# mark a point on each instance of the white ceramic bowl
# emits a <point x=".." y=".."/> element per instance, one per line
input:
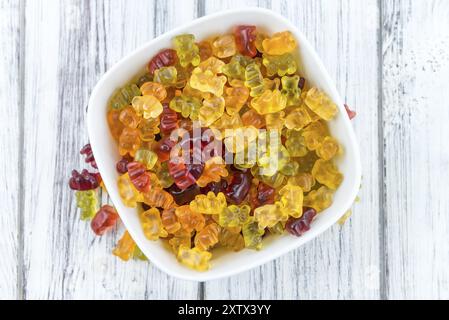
<point x="106" y="153"/>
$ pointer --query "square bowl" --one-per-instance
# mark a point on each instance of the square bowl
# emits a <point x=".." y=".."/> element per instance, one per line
<point x="106" y="152"/>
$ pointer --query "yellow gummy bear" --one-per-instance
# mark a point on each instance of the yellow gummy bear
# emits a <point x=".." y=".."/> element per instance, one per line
<point x="125" y="247"/>
<point x="304" y="180"/>
<point x="208" y="204"/>
<point x="269" y="102"/>
<point x="280" y="43"/>
<point x="319" y="200"/>
<point x="147" y="106"/>
<point x="321" y="104"/>
<point x="224" y="46"/>
<point x="252" y="234"/>
<point x="292" y="198"/>
<point x="212" y="64"/>
<point x="275" y="121"/>
<point x="128" y="193"/>
<point x="231" y="240"/>
<point x="297" y="119"/>
<point x="211" y="111"/>
<point x="235" y="99"/>
<point x="328" y="149"/>
<point x="152" y="224"/>
<point x="326" y="173"/>
<point x="269" y="215"/>
<point x="194" y="258"/>
<point x="234" y="216"/>
<point x="314" y="135"/>
<point x="207" y="81"/>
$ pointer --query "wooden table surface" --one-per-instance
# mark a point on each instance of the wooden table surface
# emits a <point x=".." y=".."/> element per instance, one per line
<point x="390" y="61"/>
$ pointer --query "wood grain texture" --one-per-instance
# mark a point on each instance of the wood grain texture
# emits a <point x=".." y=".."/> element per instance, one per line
<point x="344" y="262"/>
<point x="69" y="46"/>
<point x="10" y="141"/>
<point x="415" y="119"/>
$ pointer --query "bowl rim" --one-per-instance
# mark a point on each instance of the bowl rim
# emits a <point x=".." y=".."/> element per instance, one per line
<point x="315" y="231"/>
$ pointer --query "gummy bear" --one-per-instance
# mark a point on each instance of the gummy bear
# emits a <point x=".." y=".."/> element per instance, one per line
<point x="208" y="204"/>
<point x="297" y="119"/>
<point x="279" y="65"/>
<point x="299" y="226"/>
<point x="194" y="258"/>
<point x="295" y="144"/>
<point x="115" y="125"/>
<point x="207" y="237"/>
<point x="326" y="173"/>
<point x="235" y="99"/>
<point x="180" y="238"/>
<point x="105" y="219"/>
<point x="87" y="152"/>
<point x="124" y="96"/>
<point x="211" y="110"/>
<point x="304" y="180"/>
<point x="254" y="80"/>
<point x="226" y="122"/>
<point x="125" y="247"/>
<point x="84" y="181"/>
<point x="290" y="89"/>
<point x="280" y="43"/>
<point x="207" y="82"/>
<point x="245" y="37"/>
<point x="274" y="181"/>
<point x="190" y="220"/>
<point x="261" y="195"/>
<point x="292" y="198"/>
<point x="128" y="193"/>
<point x="290" y="169"/>
<point x="158" y="198"/>
<point x="269" y="215"/>
<point x="152" y="224"/>
<point x="163" y="148"/>
<point x="154" y="89"/>
<point x="214" y="170"/>
<point x="122" y="164"/>
<point x="275" y="121"/>
<point x="321" y="104"/>
<point x="234" y="216"/>
<point x="169" y="120"/>
<point x="320" y="199"/>
<point x="235" y="69"/>
<point x="147" y="106"/>
<point x="181" y="175"/>
<point x="231" y="240"/>
<point x="212" y="64"/>
<point x="314" y="135"/>
<point x="224" y="46"/>
<point x="187" y="106"/>
<point x="328" y="149"/>
<point x="164" y="177"/>
<point x="164" y="58"/>
<point x="238" y="187"/>
<point x="253" y="118"/>
<point x="252" y="235"/>
<point x="129" y="141"/>
<point x="183" y="197"/>
<point x="87" y="202"/>
<point x="129" y="118"/>
<point x="170" y="221"/>
<point x="138" y="176"/>
<point x="187" y="50"/>
<point x="205" y="50"/>
<point x="167" y="76"/>
<point x="148" y="128"/>
<point x="269" y="102"/>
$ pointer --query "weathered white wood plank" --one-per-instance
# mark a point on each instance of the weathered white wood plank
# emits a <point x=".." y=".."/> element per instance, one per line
<point x="344" y="262"/>
<point x="416" y="117"/>
<point x="10" y="141"/>
<point x="69" y="46"/>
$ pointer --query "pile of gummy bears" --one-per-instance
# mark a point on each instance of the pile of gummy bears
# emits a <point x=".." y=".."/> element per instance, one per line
<point x="243" y="80"/>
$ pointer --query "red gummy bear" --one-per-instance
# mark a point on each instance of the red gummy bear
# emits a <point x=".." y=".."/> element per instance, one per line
<point x="169" y="120"/>
<point x="238" y="188"/>
<point x="245" y="37"/>
<point x="122" y="164"/>
<point x="298" y="227"/>
<point x="167" y="57"/>
<point x="84" y="181"/>
<point x="105" y="219"/>
<point x="181" y="174"/>
<point x="87" y="151"/>
<point x="139" y="176"/>
<point x="163" y="148"/>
